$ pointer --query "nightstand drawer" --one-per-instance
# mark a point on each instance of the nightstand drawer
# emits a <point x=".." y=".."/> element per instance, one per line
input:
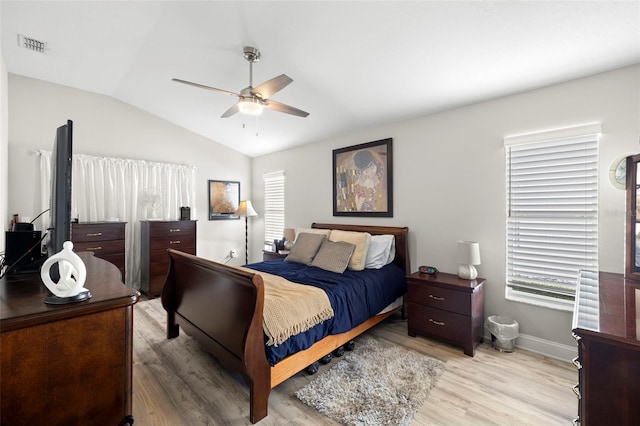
<point x="446" y="325"/>
<point x="440" y="298"/>
<point x="271" y="255"/>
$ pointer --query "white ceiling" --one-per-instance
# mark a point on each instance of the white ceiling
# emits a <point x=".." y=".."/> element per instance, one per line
<point x="355" y="64"/>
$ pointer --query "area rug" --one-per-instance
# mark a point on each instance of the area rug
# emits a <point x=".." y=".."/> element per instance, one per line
<point x="377" y="384"/>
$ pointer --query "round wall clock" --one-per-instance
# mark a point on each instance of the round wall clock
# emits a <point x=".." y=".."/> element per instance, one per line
<point x="618" y="172"/>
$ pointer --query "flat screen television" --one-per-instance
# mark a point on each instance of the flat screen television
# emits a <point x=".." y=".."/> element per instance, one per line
<point x="60" y="202"/>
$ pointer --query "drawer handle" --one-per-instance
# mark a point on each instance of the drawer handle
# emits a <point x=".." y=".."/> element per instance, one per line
<point x="174" y="230"/>
<point x="576" y="421"/>
<point x="94" y="248"/>
<point x="576" y="362"/>
<point x="435" y="297"/>
<point x="174" y="242"/>
<point x="436" y="322"/>
<point x="576" y="390"/>
<point x="575" y="336"/>
<point x="96" y="234"/>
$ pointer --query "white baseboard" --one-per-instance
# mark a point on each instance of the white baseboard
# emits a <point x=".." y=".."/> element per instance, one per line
<point x="544" y="347"/>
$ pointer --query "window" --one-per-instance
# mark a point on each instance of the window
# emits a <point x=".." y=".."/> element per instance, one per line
<point x="552" y="217"/>
<point x="273" y="207"/>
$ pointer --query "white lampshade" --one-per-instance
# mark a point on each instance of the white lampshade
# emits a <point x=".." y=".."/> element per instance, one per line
<point x="468" y="255"/>
<point x="245" y="209"/>
<point x="250" y="106"/>
<point x="289" y="234"/>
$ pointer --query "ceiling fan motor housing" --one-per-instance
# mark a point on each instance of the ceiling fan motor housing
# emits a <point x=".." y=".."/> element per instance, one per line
<point x="251" y="54"/>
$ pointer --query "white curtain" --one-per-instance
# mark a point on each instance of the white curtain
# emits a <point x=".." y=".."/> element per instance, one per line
<point x="114" y="189"/>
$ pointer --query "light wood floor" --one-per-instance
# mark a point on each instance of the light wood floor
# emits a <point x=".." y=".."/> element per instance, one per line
<point x="176" y="383"/>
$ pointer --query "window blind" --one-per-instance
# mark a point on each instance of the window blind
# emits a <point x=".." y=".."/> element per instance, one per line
<point x="552" y="218"/>
<point x="273" y="206"/>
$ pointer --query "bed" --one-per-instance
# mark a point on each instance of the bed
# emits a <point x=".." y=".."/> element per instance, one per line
<point x="222" y="308"/>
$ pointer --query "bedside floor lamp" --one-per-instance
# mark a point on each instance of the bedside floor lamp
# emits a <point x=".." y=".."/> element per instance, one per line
<point x="245" y="209"/>
<point x="468" y="255"/>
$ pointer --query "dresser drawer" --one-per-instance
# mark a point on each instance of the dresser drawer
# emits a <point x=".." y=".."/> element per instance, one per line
<point x="171" y="229"/>
<point x="101" y="247"/>
<point x="117" y="259"/>
<point x="159" y="269"/>
<point x="160" y="255"/>
<point x="446" y="325"/>
<point x="440" y="298"/>
<point x="97" y="232"/>
<point x="174" y="242"/>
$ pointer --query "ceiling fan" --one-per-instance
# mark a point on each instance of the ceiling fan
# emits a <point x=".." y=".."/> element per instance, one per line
<point x="252" y="100"/>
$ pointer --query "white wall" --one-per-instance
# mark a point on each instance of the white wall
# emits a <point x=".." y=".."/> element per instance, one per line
<point x="449" y="181"/>
<point x="4" y="148"/>
<point x="448" y="170"/>
<point x="104" y="126"/>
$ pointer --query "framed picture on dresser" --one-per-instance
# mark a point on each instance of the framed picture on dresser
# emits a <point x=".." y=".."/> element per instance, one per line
<point x="224" y="199"/>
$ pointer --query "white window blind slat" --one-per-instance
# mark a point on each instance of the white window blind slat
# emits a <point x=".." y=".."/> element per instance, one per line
<point x="552" y="217"/>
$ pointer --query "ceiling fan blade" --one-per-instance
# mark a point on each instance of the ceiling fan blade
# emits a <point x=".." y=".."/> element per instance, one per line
<point x="202" y="86"/>
<point x="268" y="88"/>
<point x="230" y="111"/>
<point x="280" y="107"/>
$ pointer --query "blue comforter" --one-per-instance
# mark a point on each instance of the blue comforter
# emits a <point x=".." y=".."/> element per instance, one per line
<point x="355" y="296"/>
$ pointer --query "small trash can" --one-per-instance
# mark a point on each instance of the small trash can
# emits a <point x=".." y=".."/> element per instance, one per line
<point x="504" y="332"/>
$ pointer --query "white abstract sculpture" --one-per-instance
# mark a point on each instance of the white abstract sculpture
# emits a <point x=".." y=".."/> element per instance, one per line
<point x="73" y="273"/>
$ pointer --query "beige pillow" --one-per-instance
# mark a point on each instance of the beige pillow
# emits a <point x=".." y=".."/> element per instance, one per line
<point x="305" y="248"/>
<point x="360" y="239"/>
<point x="324" y="232"/>
<point x="333" y="256"/>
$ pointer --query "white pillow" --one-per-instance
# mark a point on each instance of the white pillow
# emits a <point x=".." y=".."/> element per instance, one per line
<point x="380" y="251"/>
<point x="360" y="239"/>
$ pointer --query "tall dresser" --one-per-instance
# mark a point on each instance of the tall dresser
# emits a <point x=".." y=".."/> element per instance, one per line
<point x="156" y="237"/>
<point x="105" y="239"/>
<point x="606" y="324"/>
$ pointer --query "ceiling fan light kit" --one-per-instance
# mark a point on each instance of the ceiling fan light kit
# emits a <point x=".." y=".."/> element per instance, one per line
<point x="252" y="100"/>
<point x="250" y="106"/>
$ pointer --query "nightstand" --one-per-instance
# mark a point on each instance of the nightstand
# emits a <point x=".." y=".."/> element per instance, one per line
<point x="272" y="255"/>
<point x="446" y="308"/>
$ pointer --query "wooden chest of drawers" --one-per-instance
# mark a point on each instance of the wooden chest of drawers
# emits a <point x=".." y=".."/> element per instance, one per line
<point x="67" y="364"/>
<point x="156" y="238"/>
<point x="605" y="324"/>
<point x="447" y="308"/>
<point x="105" y="239"/>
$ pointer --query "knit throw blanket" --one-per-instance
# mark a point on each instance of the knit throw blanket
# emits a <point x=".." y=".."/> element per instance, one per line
<point x="290" y="308"/>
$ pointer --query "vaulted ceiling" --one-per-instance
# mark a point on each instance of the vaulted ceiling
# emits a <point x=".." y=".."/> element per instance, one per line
<point x="355" y="64"/>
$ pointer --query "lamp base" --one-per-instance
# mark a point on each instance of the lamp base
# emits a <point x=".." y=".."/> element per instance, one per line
<point x="467" y="272"/>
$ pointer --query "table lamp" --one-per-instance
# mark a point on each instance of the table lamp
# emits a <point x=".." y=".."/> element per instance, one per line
<point x="468" y="256"/>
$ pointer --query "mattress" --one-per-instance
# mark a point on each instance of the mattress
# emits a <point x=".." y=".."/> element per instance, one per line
<point x="355" y="296"/>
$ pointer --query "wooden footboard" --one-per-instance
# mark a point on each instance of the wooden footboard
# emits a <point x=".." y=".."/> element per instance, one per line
<point x="222" y="307"/>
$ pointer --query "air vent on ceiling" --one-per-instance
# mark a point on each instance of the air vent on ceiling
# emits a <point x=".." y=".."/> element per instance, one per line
<point x="31" y="43"/>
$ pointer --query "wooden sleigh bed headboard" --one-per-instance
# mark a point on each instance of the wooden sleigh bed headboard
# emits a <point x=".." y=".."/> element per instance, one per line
<point x="222" y="307"/>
